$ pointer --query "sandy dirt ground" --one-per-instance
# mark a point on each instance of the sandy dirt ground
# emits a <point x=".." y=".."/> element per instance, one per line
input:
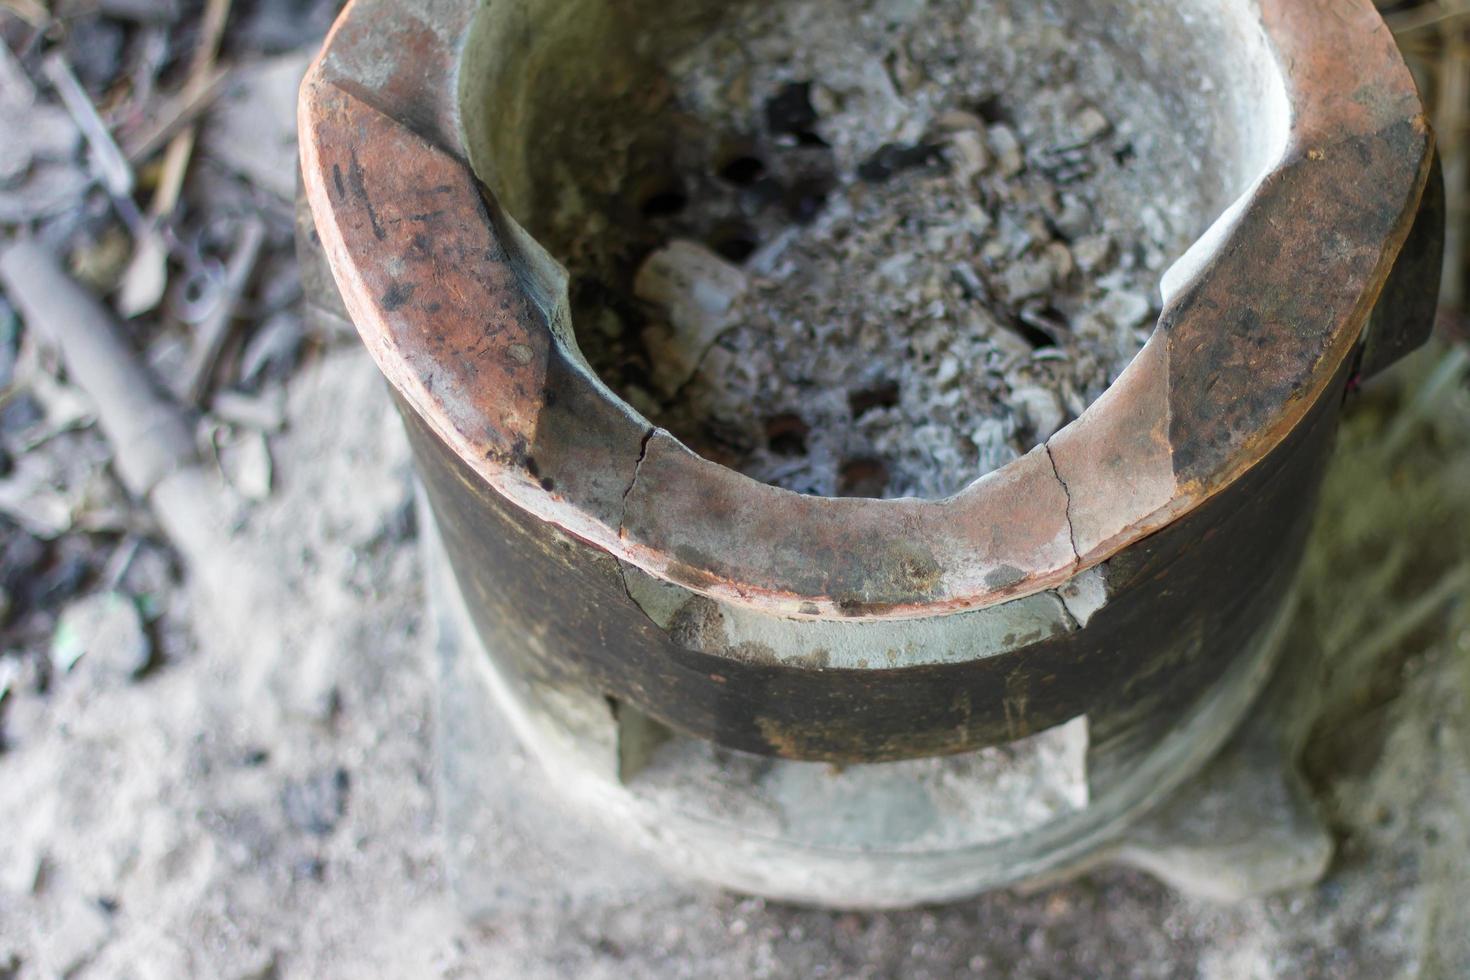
<point x="193" y="822"/>
<point x="195" y="785"/>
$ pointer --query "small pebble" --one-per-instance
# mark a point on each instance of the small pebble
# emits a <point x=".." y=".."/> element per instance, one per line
<point x="1125" y="309"/>
<point x="1028" y="278"/>
<point x="272" y="350"/>
<point x="104" y="632"/>
<point x="1060" y="258"/>
<point x="1092" y="252"/>
<point x="1072" y="218"/>
<point x="1040" y="408"/>
<point x="1089" y="124"/>
<point x="75" y="935"/>
<point x="317" y="803"/>
<point x="1005" y="147"/>
<point x="245" y="460"/>
<point x="968" y="154"/>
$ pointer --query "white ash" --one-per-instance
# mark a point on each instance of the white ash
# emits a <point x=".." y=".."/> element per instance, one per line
<point x="932" y="235"/>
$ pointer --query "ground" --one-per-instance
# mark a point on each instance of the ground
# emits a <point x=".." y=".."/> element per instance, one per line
<point x="197" y="787"/>
<point x="180" y="825"/>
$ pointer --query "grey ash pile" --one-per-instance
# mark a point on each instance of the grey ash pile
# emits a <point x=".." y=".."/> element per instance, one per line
<point x="900" y="244"/>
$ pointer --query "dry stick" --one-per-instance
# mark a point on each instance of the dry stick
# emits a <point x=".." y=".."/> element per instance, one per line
<point x="1428" y="398"/>
<point x="1448" y="590"/>
<point x="154" y="456"/>
<point x="1426" y="17"/>
<point x="140" y="11"/>
<point x="16" y="87"/>
<point x="1453" y="124"/>
<point x="146" y="277"/>
<point x="149" y="436"/>
<point x="116" y="173"/>
<point x="33" y="12"/>
<point x="214" y="329"/>
<point x="178" y="110"/>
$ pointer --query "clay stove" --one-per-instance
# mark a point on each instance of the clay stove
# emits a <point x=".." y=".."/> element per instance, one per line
<point x="851" y="700"/>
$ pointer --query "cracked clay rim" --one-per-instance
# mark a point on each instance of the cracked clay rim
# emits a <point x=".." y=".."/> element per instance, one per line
<point x="465" y="316"/>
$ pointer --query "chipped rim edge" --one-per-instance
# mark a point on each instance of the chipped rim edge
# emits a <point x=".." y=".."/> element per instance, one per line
<point x="1109" y="478"/>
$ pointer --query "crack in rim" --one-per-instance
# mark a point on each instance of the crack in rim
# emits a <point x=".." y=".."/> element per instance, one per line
<point x="1141" y="456"/>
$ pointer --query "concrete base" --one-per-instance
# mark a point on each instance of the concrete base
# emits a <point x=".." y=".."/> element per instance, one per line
<point x="863" y="836"/>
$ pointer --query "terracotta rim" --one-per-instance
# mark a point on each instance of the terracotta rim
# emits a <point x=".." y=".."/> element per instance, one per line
<point x="442" y="287"/>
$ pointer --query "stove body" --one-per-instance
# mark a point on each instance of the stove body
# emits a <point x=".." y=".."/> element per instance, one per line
<point x="878" y="702"/>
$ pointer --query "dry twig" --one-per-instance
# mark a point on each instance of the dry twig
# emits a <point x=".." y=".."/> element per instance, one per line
<point x="147" y="275"/>
<point x="214" y="330"/>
